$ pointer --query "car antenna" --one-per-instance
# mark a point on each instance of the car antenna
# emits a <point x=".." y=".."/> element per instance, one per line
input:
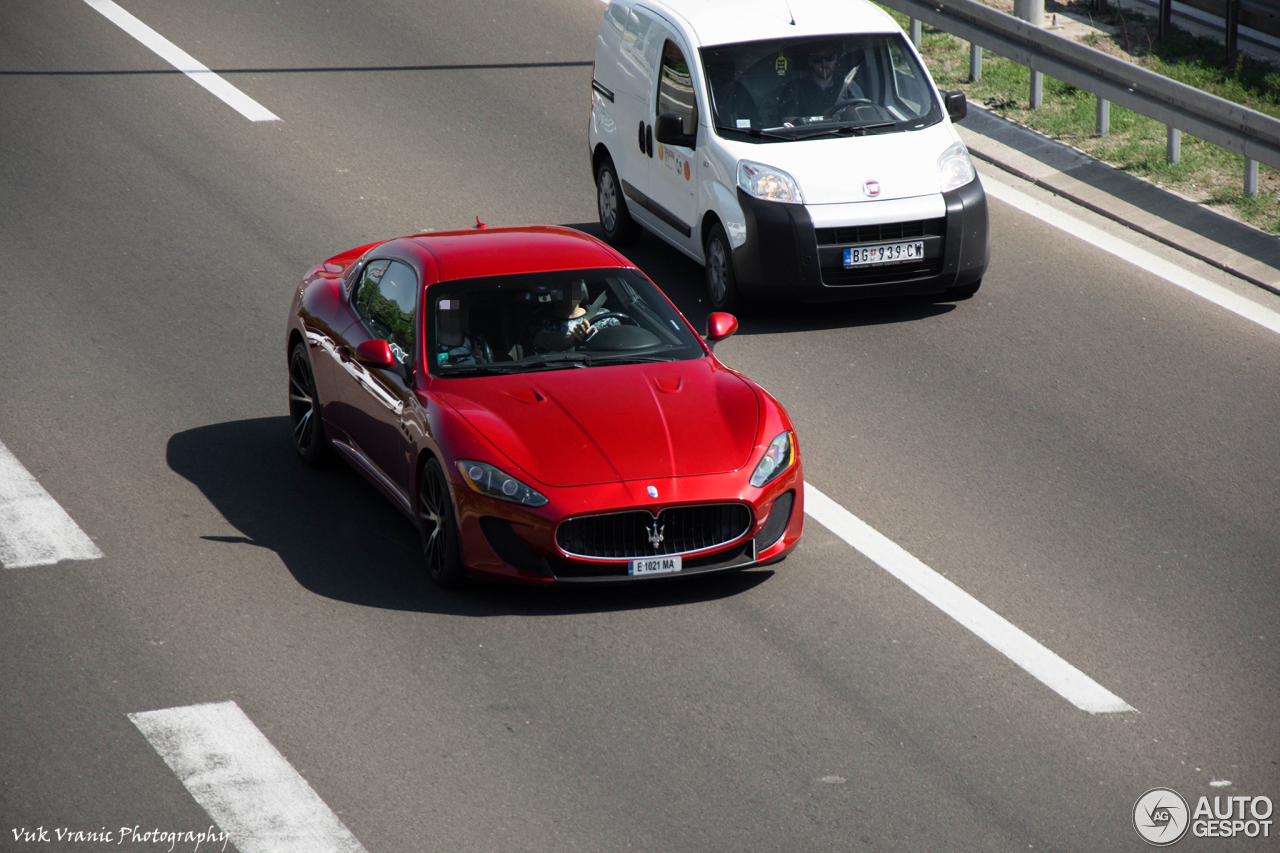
<point x="789" y="12"/>
<point x="480" y="224"/>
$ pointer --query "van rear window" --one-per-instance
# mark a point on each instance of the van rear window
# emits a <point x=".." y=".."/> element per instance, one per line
<point x="787" y="89"/>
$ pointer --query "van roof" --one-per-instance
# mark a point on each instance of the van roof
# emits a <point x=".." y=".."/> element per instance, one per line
<point x="730" y="21"/>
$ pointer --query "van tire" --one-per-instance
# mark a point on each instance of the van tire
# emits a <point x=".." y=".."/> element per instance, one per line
<point x="616" y="224"/>
<point x="722" y="284"/>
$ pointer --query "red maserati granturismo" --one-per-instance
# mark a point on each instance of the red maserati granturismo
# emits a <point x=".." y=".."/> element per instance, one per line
<point x="540" y="409"/>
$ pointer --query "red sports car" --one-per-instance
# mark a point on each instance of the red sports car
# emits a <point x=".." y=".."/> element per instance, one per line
<point x="540" y="409"/>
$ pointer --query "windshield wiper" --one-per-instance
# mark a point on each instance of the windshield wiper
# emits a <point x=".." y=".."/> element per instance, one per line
<point x="846" y="130"/>
<point x="754" y="132"/>
<point x="627" y="359"/>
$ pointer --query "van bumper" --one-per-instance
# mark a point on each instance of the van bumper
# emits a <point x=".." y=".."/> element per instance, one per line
<point x="782" y="256"/>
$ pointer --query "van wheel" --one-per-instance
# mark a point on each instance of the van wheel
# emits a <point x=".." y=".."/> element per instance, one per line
<point x="615" y="220"/>
<point x="722" y="286"/>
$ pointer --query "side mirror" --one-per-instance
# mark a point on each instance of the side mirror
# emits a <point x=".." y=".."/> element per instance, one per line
<point x="669" y="130"/>
<point x="957" y="106"/>
<point x="376" y="353"/>
<point x="720" y="326"/>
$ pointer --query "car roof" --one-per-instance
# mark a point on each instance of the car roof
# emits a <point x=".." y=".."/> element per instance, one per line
<point x="508" y="251"/>
<point x="729" y="21"/>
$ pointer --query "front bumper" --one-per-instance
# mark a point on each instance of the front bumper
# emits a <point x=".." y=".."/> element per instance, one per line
<point x="783" y="258"/>
<point x="507" y="542"/>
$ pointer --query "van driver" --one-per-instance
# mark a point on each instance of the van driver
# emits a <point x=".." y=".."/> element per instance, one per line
<point x="816" y="93"/>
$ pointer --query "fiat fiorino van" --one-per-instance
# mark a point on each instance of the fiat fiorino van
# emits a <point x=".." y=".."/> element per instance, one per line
<point x="798" y="150"/>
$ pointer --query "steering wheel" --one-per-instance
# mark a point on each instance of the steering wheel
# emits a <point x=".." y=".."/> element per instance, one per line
<point x="841" y="103"/>
<point x="624" y="319"/>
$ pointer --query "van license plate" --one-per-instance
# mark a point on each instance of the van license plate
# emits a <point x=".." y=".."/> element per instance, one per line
<point x="889" y="253"/>
<point x="654" y="566"/>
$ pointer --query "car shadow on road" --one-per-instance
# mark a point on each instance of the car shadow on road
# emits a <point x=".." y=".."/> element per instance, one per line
<point x="340" y="538"/>
<point x="683" y="281"/>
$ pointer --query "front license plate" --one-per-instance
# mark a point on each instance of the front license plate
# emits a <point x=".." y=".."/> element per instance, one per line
<point x="889" y="253"/>
<point x="654" y="566"/>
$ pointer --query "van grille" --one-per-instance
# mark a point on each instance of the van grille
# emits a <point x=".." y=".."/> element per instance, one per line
<point x="849" y="234"/>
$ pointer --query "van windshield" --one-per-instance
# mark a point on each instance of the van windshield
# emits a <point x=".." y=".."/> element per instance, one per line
<point x="805" y="88"/>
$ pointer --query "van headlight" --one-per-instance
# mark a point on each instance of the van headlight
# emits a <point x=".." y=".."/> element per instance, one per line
<point x="777" y="458"/>
<point x="485" y="479"/>
<point x="955" y="169"/>
<point x="767" y="183"/>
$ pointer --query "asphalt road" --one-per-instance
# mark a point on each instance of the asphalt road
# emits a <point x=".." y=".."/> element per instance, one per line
<point x="1089" y="451"/>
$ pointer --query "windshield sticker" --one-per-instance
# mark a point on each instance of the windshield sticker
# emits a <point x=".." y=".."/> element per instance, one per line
<point x="780" y="65"/>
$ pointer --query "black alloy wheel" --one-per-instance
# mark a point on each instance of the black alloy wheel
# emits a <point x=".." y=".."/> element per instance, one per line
<point x="438" y="527"/>
<point x="616" y="224"/>
<point x="722" y="284"/>
<point x="304" y="408"/>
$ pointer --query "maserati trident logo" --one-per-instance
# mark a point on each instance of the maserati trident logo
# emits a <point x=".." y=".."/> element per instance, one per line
<point x="653" y="492"/>
<point x="871" y="188"/>
<point x="655" y="534"/>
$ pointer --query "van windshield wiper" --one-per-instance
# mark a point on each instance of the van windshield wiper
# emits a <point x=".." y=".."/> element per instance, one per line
<point x="755" y="132"/>
<point x="846" y="130"/>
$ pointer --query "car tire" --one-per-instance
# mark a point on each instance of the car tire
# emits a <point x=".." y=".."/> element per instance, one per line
<point x="616" y="224"/>
<point x="722" y="284"/>
<point x="304" y="408"/>
<point x="438" y="527"/>
<point x="962" y="292"/>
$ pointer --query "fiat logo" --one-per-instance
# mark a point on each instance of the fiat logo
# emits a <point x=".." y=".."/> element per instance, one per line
<point x="871" y="188"/>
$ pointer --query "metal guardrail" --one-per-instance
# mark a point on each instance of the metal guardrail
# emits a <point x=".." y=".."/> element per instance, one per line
<point x="1249" y="133"/>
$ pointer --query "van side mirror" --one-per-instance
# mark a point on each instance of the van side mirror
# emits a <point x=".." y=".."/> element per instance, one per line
<point x="957" y="106"/>
<point x="669" y="130"/>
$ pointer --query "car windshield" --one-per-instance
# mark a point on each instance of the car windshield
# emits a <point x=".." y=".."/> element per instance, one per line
<point x="805" y="88"/>
<point x="550" y="321"/>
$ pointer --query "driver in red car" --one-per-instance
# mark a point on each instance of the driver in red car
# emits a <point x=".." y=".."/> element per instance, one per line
<point x="565" y="323"/>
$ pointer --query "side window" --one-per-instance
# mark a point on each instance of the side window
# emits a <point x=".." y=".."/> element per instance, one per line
<point x="908" y="82"/>
<point x="675" y="88"/>
<point x="386" y="302"/>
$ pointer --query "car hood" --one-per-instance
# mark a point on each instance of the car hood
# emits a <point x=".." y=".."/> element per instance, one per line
<point x="582" y="426"/>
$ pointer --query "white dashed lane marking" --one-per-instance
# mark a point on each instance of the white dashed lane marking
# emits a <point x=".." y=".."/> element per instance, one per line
<point x="34" y="529"/>
<point x="246" y="786"/>
<point x="184" y="62"/>
<point x="1139" y="257"/>
<point x="1005" y="637"/>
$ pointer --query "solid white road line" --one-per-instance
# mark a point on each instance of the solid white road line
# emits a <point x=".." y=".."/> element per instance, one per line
<point x="34" y="529"/>
<point x="1140" y="258"/>
<point x="184" y="62"/>
<point x="249" y="789"/>
<point x="1060" y="676"/>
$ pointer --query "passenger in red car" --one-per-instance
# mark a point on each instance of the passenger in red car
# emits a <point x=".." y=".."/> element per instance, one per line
<point x="454" y="345"/>
<point x="565" y="323"/>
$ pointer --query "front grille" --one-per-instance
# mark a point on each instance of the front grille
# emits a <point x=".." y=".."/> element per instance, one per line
<point x="625" y="535"/>
<point x="849" y="234"/>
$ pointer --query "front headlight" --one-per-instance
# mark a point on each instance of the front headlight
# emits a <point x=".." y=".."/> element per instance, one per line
<point x="767" y="183"/>
<point x="484" y="479"/>
<point x="955" y="169"/>
<point x="777" y="458"/>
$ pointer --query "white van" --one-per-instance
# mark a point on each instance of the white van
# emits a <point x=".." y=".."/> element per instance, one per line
<point x="796" y="149"/>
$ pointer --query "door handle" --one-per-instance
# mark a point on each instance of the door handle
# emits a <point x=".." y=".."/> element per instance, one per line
<point x="640" y="132"/>
<point x="648" y="140"/>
